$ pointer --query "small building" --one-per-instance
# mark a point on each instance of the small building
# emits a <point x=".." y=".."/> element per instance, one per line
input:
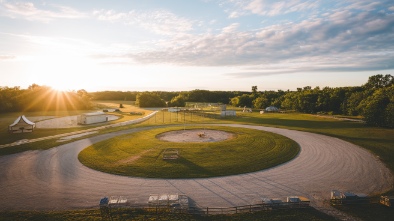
<point x="174" y="109"/>
<point x="335" y="194"/>
<point x="339" y="198"/>
<point x="297" y="201"/>
<point x="117" y="201"/>
<point x="228" y="113"/>
<point x="92" y="118"/>
<point x="178" y="201"/>
<point x="21" y="125"/>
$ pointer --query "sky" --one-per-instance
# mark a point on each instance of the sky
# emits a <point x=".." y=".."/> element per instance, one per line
<point x="182" y="45"/>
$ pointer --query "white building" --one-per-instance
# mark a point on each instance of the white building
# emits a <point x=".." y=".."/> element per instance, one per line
<point x="174" y="109"/>
<point x="228" y="113"/>
<point x="92" y="118"/>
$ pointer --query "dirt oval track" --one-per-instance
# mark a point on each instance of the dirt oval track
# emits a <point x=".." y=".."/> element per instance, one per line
<point x="54" y="179"/>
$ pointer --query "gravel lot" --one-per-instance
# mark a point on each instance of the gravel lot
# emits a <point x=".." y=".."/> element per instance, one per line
<point x="54" y="179"/>
<point x="65" y="122"/>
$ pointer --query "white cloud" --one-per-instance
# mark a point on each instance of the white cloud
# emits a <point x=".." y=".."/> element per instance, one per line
<point x="237" y="8"/>
<point x="339" y="41"/>
<point x="157" y="21"/>
<point x="231" y="28"/>
<point x="28" y="11"/>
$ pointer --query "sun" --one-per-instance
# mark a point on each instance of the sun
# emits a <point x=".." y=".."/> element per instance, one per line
<point x="60" y="86"/>
<point x="64" y="72"/>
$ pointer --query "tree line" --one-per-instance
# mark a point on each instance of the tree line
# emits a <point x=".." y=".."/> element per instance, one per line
<point x="42" y="98"/>
<point x="374" y="100"/>
<point x="171" y="97"/>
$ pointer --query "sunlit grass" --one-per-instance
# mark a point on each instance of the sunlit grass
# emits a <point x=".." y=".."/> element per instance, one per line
<point x="140" y="154"/>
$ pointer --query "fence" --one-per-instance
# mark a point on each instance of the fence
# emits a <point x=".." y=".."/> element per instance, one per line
<point x="106" y="211"/>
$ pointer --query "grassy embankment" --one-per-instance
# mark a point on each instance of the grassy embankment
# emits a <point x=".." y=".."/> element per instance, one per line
<point x="140" y="155"/>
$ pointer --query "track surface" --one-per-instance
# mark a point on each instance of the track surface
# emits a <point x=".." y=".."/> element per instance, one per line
<point x="54" y="179"/>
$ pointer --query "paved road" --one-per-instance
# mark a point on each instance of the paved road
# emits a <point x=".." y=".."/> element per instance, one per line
<point x="80" y="132"/>
<point x="55" y="179"/>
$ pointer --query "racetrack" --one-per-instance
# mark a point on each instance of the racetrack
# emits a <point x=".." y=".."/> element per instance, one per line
<point x="54" y="179"/>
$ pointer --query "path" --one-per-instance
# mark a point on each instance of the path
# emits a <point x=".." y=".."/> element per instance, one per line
<point x="95" y="129"/>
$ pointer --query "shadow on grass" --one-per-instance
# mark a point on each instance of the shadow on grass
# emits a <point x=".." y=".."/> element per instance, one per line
<point x="372" y="212"/>
<point x="299" y="123"/>
<point x="194" y="169"/>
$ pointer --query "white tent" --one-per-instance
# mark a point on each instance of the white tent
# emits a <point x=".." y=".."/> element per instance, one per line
<point x="21" y="125"/>
<point x="271" y="109"/>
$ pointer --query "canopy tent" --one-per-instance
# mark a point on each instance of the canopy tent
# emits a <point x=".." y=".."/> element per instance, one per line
<point x="271" y="109"/>
<point x="21" y="125"/>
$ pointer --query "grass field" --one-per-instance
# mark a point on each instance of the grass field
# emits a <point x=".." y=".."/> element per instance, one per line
<point x="140" y="155"/>
<point x="8" y="118"/>
<point x="368" y="212"/>
<point x="379" y="141"/>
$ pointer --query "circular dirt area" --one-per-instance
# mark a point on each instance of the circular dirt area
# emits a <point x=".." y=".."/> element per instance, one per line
<point x="198" y="135"/>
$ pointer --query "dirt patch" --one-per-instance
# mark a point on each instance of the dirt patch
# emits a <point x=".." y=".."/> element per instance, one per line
<point x="198" y="135"/>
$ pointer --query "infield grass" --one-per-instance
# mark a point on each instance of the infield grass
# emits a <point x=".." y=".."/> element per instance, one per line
<point x="141" y="154"/>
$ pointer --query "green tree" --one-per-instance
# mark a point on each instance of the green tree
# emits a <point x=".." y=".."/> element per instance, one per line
<point x="242" y="101"/>
<point x="379" y="108"/>
<point x="380" y="81"/>
<point x="254" y="89"/>
<point x="178" y="101"/>
<point x="261" y="102"/>
<point x="148" y="99"/>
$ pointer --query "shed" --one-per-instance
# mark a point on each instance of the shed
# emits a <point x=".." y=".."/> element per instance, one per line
<point x="228" y="113"/>
<point x="21" y="125"/>
<point x="92" y="118"/>
<point x="335" y="194"/>
<point x="293" y="199"/>
<point x="174" y="109"/>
